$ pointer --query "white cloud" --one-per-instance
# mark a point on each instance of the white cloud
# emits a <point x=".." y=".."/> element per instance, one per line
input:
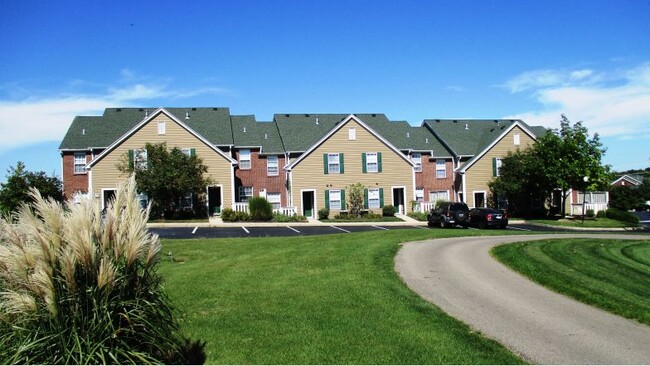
<point x="535" y="79"/>
<point x="38" y="119"/>
<point x="610" y="109"/>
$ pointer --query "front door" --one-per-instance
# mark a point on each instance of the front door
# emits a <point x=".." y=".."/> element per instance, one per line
<point x="214" y="200"/>
<point x="109" y="196"/>
<point x="308" y="204"/>
<point x="398" y="199"/>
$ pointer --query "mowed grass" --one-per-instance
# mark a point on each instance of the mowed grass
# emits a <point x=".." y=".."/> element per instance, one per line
<point x="613" y="275"/>
<point x="331" y="299"/>
<point x="590" y="223"/>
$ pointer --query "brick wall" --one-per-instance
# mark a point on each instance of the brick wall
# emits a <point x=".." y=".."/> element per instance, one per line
<point x="258" y="178"/>
<point x="427" y="178"/>
<point x="73" y="182"/>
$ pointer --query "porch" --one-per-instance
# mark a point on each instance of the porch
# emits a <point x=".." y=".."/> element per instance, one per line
<point x="287" y="211"/>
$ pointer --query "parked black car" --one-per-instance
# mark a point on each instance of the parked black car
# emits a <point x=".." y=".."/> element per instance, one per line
<point x="449" y="214"/>
<point x="488" y="217"/>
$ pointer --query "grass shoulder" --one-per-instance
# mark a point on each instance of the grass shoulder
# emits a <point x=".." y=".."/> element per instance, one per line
<point x="588" y="223"/>
<point x="613" y="275"/>
<point x="332" y="299"/>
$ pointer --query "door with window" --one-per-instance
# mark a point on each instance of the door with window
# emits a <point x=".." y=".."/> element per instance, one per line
<point x="308" y="203"/>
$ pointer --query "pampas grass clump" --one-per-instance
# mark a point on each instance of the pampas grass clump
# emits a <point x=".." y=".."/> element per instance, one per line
<point x="79" y="286"/>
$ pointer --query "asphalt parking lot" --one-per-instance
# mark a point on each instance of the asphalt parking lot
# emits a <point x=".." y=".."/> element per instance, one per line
<point x="244" y="231"/>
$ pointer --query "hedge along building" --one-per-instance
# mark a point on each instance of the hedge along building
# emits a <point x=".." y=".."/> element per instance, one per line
<point x="122" y="133"/>
<point x="351" y="152"/>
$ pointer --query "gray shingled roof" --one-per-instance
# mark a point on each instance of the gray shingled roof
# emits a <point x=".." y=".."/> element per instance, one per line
<point x="249" y="133"/>
<point x="101" y="131"/>
<point x="470" y="137"/>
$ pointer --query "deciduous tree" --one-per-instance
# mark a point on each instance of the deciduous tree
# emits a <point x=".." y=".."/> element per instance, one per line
<point x="19" y="182"/>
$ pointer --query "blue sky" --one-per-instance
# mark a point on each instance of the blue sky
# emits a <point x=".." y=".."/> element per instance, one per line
<point x="411" y="60"/>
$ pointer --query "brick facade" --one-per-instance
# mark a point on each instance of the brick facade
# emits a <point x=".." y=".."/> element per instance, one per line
<point x="257" y="177"/>
<point x="428" y="180"/>
<point x="73" y="182"/>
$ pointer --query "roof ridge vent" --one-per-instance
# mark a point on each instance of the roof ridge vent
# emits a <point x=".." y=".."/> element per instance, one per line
<point x="187" y="115"/>
<point x="467" y="126"/>
<point x="426" y="140"/>
<point x="316" y="120"/>
<point x="83" y="131"/>
<point x="146" y="113"/>
<point x="266" y="136"/>
<point x="408" y="135"/>
<point x="244" y="129"/>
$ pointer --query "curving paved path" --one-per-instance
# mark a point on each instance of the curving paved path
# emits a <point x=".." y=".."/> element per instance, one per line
<point x="459" y="276"/>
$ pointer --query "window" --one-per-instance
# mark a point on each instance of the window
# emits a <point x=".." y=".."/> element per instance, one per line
<point x="352" y="133"/>
<point x="479" y="199"/>
<point x="441" y="170"/>
<point x="496" y="167"/>
<point x="335" y="199"/>
<point x="371" y="163"/>
<point x="438" y="196"/>
<point x="373" y="198"/>
<point x="419" y="194"/>
<point x="79" y="162"/>
<point x="417" y="159"/>
<point x="517" y="139"/>
<point x="245" y="193"/>
<point x="185" y="202"/>
<point x="272" y="165"/>
<point x="274" y="200"/>
<point x="333" y="164"/>
<point x="140" y="159"/>
<point x="244" y="159"/>
<point x="161" y="128"/>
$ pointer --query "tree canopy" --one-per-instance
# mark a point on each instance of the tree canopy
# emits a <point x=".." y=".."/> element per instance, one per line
<point x="166" y="175"/>
<point x="560" y="160"/>
<point x="19" y="183"/>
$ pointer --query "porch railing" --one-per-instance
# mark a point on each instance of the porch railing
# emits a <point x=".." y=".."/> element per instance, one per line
<point x="287" y="211"/>
<point x="576" y="208"/>
<point x="424" y="206"/>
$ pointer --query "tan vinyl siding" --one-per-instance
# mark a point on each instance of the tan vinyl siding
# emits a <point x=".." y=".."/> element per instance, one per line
<point x="480" y="173"/>
<point x="309" y="173"/>
<point x="105" y="174"/>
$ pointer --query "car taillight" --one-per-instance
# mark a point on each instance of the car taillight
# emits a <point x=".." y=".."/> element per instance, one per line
<point x="505" y="215"/>
<point x="489" y="217"/>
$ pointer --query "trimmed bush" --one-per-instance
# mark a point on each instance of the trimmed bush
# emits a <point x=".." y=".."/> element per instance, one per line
<point x="228" y="215"/>
<point x="323" y="214"/>
<point x="277" y="217"/>
<point x="620" y="215"/>
<point x="78" y="286"/>
<point x="601" y="215"/>
<point x="590" y="213"/>
<point x="260" y="209"/>
<point x="389" y="210"/>
<point x="420" y="216"/>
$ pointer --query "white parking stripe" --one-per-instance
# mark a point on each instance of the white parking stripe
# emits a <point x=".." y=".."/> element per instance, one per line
<point x="194" y="231"/>
<point x="246" y="230"/>
<point x="379" y="227"/>
<point x="289" y="227"/>
<point x="336" y="227"/>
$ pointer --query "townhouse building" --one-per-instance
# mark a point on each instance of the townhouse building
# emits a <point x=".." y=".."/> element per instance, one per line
<point x="299" y="162"/>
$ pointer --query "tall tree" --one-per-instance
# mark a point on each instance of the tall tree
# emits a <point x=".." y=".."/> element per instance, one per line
<point x="19" y="182"/>
<point x="561" y="160"/>
<point x="165" y="175"/>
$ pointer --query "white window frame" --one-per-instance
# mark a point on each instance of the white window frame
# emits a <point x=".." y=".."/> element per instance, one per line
<point x="417" y="159"/>
<point x="372" y="162"/>
<point x="352" y="134"/>
<point x="275" y="199"/>
<point x="187" y="151"/>
<point x="140" y="159"/>
<point x="244" y="195"/>
<point x="245" y="159"/>
<point x="419" y="194"/>
<point x="498" y="163"/>
<point x="373" y="198"/>
<point x="335" y="199"/>
<point x="484" y="193"/>
<point x="441" y="169"/>
<point x="162" y="128"/>
<point x="435" y="196"/>
<point x="79" y="163"/>
<point x="333" y="163"/>
<point x="517" y="139"/>
<point x="272" y="166"/>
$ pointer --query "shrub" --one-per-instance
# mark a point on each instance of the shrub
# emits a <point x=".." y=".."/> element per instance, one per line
<point x="260" y="209"/>
<point x="323" y="214"/>
<point x="420" y="216"/>
<point x="81" y="287"/>
<point x="277" y="217"/>
<point x="389" y="210"/>
<point x="616" y="214"/>
<point x="590" y="213"/>
<point x="601" y="215"/>
<point x="228" y="215"/>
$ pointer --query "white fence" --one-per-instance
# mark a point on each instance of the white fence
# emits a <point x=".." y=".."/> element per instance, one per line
<point x="577" y="210"/>
<point x="424" y="206"/>
<point x="243" y="207"/>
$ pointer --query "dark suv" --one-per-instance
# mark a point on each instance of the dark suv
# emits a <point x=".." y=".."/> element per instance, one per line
<point x="449" y="214"/>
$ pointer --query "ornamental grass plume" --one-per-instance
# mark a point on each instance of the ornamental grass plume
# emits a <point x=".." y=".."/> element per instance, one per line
<point x="79" y="286"/>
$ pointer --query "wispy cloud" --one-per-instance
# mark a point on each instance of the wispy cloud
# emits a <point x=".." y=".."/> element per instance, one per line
<point x="34" y="119"/>
<point x="615" y="103"/>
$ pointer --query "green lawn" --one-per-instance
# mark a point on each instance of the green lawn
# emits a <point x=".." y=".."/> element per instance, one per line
<point x="611" y="274"/>
<point x="315" y="300"/>
<point x="590" y="223"/>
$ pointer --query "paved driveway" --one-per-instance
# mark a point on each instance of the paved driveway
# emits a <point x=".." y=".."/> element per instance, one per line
<point x="460" y="276"/>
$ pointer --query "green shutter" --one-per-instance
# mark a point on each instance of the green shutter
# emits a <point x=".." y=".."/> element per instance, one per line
<point x="341" y="162"/>
<point x="325" y="170"/>
<point x="494" y="167"/>
<point x="192" y="152"/>
<point x="379" y="162"/>
<point x="365" y="198"/>
<point x="381" y="197"/>
<point x="327" y="199"/>
<point x="363" y="163"/>
<point x="131" y="164"/>
<point x="343" y="207"/>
